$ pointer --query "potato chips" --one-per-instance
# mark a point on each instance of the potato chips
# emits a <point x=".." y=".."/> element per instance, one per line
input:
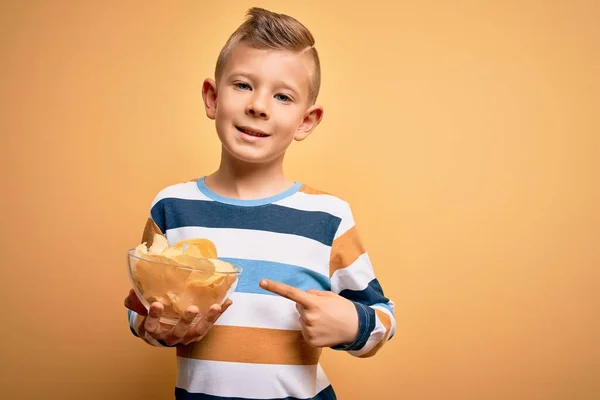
<point x="182" y="275"/>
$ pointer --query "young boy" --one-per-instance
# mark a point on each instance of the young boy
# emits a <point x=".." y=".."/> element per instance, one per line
<point x="307" y="281"/>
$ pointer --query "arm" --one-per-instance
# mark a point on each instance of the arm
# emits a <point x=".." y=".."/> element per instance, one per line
<point x="353" y="278"/>
<point x="354" y="316"/>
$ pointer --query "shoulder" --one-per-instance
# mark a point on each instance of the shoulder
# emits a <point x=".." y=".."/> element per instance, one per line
<point x="333" y="204"/>
<point x="310" y="198"/>
<point x="325" y="195"/>
<point x="184" y="190"/>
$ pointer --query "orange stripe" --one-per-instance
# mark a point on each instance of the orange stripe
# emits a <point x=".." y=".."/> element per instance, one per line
<point x="386" y="321"/>
<point x="149" y="230"/>
<point x="252" y="345"/>
<point x="309" y="190"/>
<point x="345" y="250"/>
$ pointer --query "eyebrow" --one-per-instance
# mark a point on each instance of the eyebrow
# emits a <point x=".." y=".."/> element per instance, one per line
<point x="278" y="84"/>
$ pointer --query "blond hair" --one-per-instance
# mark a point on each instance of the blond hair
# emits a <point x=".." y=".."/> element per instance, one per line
<point x="264" y="29"/>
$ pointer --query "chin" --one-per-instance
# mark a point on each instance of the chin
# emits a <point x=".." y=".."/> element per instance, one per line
<point x="250" y="156"/>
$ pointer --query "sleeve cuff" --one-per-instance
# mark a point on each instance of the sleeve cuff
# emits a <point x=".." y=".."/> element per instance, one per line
<point x="130" y="317"/>
<point x="366" y="324"/>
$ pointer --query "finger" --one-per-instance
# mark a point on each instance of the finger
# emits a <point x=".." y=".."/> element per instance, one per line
<point x="182" y="326"/>
<point x="308" y="337"/>
<point x="289" y="292"/>
<point x="226" y="305"/>
<point x="197" y="332"/>
<point x="218" y="311"/>
<point x="202" y="328"/>
<point x="128" y="302"/>
<point x="325" y="293"/>
<point x="306" y="318"/>
<point x="133" y="303"/>
<point x="152" y="322"/>
<point x="214" y="312"/>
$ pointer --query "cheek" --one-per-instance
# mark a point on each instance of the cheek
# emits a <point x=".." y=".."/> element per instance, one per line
<point x="294" y="121"/>
<point x="223" y="109"/>
<point x="227" y="105"/>
<point x="290" y="117"/>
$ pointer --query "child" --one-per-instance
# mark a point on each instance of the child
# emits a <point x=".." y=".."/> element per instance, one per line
<point x="307" y="281"/>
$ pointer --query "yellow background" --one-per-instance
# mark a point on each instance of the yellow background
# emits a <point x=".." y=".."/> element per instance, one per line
<point x="465" y="135"/>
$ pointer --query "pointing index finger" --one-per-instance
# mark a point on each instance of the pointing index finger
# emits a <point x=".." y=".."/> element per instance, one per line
<point x="287" y="291"/>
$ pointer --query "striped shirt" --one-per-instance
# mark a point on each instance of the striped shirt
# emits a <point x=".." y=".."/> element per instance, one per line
<point x="301" y="237"/>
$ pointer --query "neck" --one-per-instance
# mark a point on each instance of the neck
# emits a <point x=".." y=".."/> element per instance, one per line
<point x="242" y="180"/>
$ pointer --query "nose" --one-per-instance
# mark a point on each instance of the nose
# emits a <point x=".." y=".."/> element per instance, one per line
<point x="257" y="107"/>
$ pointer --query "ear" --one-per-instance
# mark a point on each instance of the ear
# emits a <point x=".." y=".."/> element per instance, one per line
<point x="209" y="95"/>
<point x="312" y="118"/>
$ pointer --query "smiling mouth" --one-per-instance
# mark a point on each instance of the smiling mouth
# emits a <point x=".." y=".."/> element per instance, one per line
<point x="251" y="132"/>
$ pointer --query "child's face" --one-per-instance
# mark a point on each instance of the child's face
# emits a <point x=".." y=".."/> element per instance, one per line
<point x="262" y="102"/>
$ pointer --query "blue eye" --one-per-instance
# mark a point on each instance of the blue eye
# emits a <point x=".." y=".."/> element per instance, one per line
<point x="283" y="98"/>
<point x="242" y="86"/>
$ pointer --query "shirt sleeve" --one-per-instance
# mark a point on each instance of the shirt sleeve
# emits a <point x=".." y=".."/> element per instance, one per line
<point x="352" y="277"/>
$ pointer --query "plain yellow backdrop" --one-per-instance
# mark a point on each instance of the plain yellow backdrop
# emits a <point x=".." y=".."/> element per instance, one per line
<point x="465" y="134"/>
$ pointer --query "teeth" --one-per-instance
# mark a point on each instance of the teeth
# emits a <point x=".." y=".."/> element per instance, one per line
<point x="252" y="133"/>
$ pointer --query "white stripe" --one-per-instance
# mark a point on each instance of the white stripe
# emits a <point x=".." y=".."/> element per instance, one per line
<point x="246" y="380"/>
<point x="344" y="227"/>
<point x="322" y="202"/>
<point x="392" y="318"/>
<point x="356" y="276"/>
<point x="322" y="381"/>
<point x="315" y="202"/>
<point x="186" y="191"/>
<point x="261" y="245"/>
<point x="377" y="335"/>
<point x="260" y="311"/>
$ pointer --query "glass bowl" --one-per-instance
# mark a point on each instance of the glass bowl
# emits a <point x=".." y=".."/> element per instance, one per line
<point x="179" y="286"/>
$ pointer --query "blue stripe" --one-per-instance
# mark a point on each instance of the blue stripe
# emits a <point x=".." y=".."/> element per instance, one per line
<point x="171" y="213"/>
<point x="182" y="394"/>
<point x="246" y="203"/>
<point x="255" y="270"/>
<point x="372" y="294"/>
<point x="129" y="321"/>
<point x="386" y="306"/>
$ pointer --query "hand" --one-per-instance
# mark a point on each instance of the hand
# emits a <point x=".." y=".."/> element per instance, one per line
<point x="327" y="319"/>
<point x="134" y="304"/>
<point x="183" y="332"/>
